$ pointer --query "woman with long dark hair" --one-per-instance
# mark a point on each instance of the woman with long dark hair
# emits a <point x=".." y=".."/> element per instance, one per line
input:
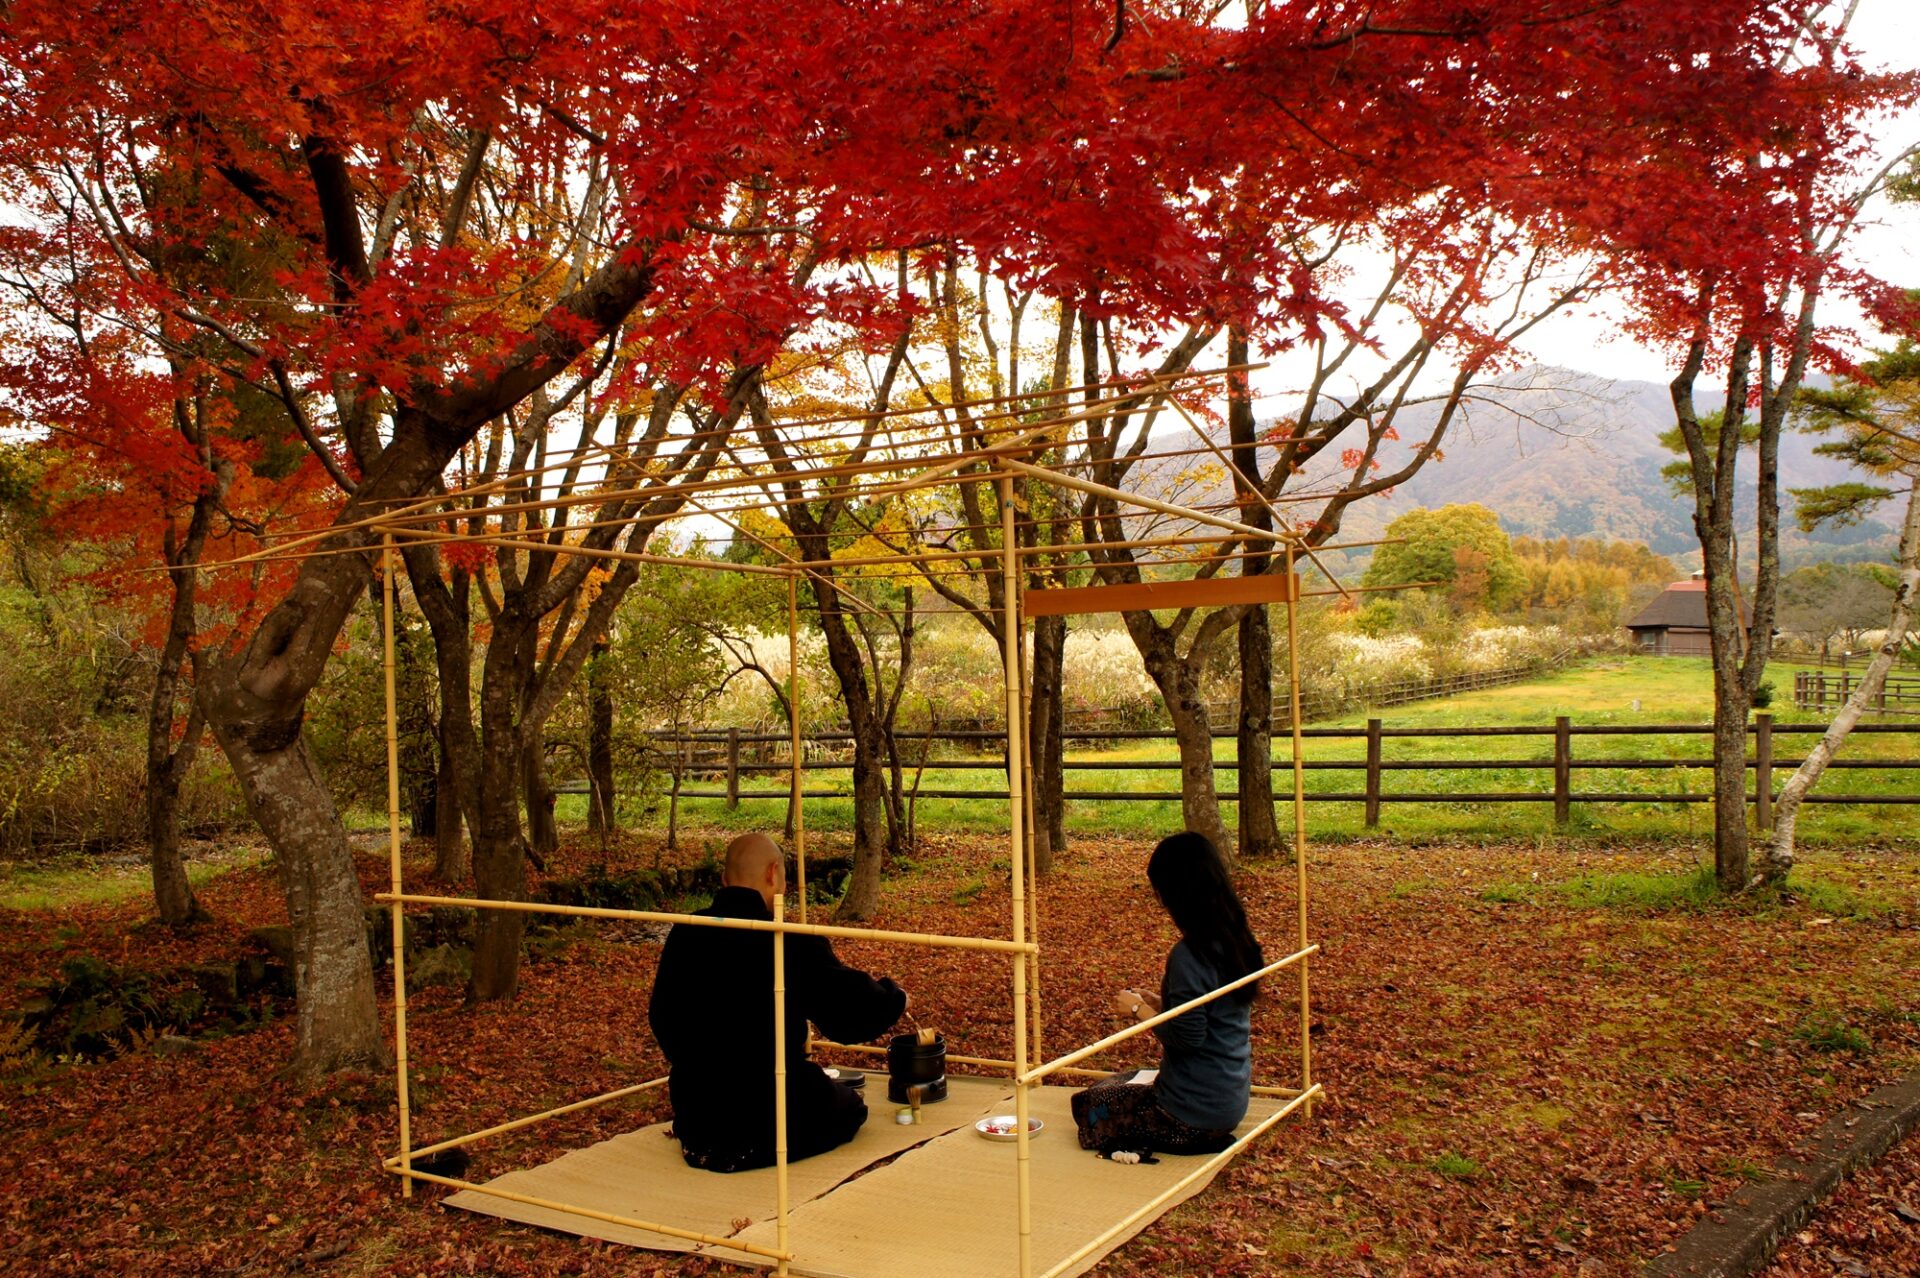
<point x="1199" y="1094"/>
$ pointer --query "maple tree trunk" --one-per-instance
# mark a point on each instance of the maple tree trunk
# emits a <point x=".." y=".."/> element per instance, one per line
<point x="446" y="606"/>
<point x="167" y="766"/>
<point x="1253" y="738"/>
<point x="1046" y="741"/>
<point x="173" y="896"/>
<point x="499" y="847"/>
<point x="543" y="828"/>
<point x="450" y="861"/>
<point x="1779" y="848"/>
<point x="600" y="797"/>
<point x="870" y="824"/>
<point x="1259" y="826"/>
<point x="1178" y="680"/>
<point x="336" y="1026"/>
<point x="1713" y="467"/>
<point x="254" y="702"/>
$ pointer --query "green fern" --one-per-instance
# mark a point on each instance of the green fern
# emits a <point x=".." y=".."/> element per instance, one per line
<point x="16" y="1046"/>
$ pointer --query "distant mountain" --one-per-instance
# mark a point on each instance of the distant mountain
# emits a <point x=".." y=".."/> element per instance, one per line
<point x="1559" y="453"/>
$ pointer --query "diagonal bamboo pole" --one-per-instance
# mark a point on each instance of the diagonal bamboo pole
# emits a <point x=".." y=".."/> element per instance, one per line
<point x="1153" y="1206"/>
<point x="1058" y="1063"/>
<point x="1140" y="499"/>
<point x="629" y="1222"/>
<point x="930" y="940"/>
<point x="1016" y="855"/>
<point x="393" y="866"/>
<point x="995" y="1063"/>
<point x="514" y="1125"/>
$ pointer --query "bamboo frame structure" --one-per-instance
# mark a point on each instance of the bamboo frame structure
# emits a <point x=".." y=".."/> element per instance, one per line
<point x="998" y="463"/>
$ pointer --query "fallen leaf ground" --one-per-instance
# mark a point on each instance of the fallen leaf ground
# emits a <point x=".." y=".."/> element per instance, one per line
<point x="1521" y="1081"/>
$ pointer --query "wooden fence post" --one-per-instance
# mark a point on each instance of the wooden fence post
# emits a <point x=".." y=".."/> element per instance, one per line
<point x="1562" y="771"/>
<point x="1763" y="770"/>
<point x="733" y="767"/>
<point x="1373" y="773"/>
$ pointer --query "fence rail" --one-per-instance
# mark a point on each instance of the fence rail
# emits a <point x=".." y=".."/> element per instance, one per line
<point x="1817" y="690"/>
<point x="727" y="765"/>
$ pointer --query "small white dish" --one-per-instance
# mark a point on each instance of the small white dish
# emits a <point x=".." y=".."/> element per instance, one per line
<point x="1007" y="1127"/>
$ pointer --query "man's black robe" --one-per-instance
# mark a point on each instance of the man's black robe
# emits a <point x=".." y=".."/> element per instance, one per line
<point x="712" y="1012"/>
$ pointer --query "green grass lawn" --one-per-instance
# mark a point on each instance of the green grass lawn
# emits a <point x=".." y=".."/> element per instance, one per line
<point x="1615" y="691"/>
<point x="74" y="881"/>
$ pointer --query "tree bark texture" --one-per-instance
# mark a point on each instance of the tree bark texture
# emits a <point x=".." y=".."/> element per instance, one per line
<point x="168" y="763"/>
<point x="451" y="864"/>
<point x="543" y="825"/>
<point x="1178" y="680"/>
<point x="446" y="602"/>
<point x="871" y="827"/>
<point x="335" y="1022"/>
<point x="1713" y="464"/>
<point x="1046" y="741"/>
<point x="1253" y="741"/>
<point x="600" y="784"/>
<point x="499" y="844"/>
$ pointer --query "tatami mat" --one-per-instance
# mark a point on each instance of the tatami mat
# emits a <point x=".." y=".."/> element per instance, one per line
<point x="641" y="1175"/>
<point x="945" y="1209"/>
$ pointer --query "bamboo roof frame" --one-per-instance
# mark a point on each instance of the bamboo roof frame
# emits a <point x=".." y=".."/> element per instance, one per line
<point x="999" y="464"/>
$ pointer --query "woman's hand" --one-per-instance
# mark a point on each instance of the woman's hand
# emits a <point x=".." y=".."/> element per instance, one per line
<point x="1136" y="1004"/>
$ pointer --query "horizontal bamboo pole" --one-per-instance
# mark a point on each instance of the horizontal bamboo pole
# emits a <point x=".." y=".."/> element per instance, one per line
<point x="1044" y="475"/>
<point x="1039" y="1072"/>
<point x="988" y="1062"/>
<point x="1367" y="590"/>
<point x="652" y="1227"/>
<point x="1153" y="1206"/>
<point x="931" y="940"/>
<point x="426" y="536"/>
<point x="502" y="1128"/>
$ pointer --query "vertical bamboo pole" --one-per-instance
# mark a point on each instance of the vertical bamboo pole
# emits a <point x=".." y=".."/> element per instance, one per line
<point x="793" y="727"/>
<point x="780" y="1080"/>
<point x="1033" y="851"/>
<point x="1299" y="822"/>
<point x="393" y="866"/>
<point x="1016" y="752"/>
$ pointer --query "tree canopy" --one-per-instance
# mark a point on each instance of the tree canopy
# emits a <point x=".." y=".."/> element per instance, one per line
<point x="1459" y="549"/>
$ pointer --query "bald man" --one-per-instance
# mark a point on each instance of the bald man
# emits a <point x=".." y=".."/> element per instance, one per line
<point x="712" y="1012"/>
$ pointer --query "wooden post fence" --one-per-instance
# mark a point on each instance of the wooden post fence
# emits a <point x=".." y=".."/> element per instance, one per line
<point x="1370" y="764"/>
<point x="1373" y="773"/>
<point x="1562" y="771"/>
<point x="733" y="767"/>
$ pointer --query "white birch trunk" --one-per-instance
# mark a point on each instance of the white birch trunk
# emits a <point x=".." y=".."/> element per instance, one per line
<point x="1786" y="813"/>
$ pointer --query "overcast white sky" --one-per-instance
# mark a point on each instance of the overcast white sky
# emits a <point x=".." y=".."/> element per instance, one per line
<point x="1888" y="244"/>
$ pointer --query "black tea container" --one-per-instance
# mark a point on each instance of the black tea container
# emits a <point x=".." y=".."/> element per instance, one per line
<point x="911" y="1065"/>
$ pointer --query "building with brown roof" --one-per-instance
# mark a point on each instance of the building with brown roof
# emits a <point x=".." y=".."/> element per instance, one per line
<point x="1675" y="623"/>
